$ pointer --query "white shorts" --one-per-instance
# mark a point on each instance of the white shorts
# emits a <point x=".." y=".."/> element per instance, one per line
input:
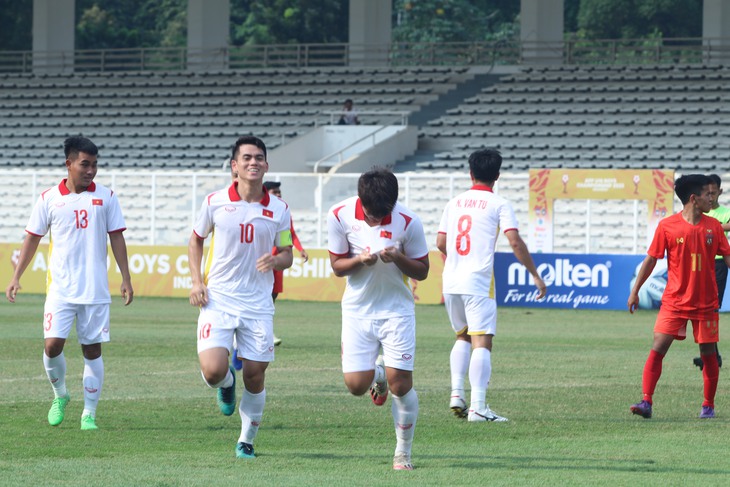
<point x="362" y="338"/>
<point x="475" y="314"/>
<point x="92" y="321"/>
<point x="254" y="337"/>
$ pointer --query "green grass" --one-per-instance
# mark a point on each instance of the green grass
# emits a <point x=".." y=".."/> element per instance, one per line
<point x="565" y="379"/>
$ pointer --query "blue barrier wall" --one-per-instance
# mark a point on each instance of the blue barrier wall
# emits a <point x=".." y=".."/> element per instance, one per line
<point x="580" y="281"/>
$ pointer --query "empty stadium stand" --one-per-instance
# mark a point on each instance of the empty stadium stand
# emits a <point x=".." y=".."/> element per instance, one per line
<point x="189" y="120"/>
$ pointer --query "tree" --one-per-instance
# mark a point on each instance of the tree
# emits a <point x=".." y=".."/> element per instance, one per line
<point x="454" y="20"/>
<point x="16" y="25"/>
<point x="614" y="19"/>
<point x="288" y="21"/>
<point x="130" y="23"/>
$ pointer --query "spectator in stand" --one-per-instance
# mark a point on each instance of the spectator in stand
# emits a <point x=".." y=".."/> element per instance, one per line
<point x="349" y="115"/>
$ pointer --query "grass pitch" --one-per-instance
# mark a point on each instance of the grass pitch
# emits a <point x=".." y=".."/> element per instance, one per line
<point x="564" y="378"/>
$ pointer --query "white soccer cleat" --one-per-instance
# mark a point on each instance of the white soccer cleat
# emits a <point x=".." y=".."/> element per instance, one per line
<point x="458" y="406"/>
<point x="402" y="461"/>
<point x="485" y="415"/>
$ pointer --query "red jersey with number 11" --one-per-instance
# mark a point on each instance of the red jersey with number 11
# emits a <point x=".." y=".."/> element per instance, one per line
<point x="691" y="289"/>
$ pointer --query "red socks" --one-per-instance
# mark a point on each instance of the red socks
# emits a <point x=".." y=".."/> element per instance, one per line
<point x="710" y="375"/>
<point x="652" y="372"/>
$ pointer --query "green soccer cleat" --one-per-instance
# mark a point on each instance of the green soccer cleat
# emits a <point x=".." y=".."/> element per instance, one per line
<point x="244" y="450"/>
<point x="227" y="396"/>
<point x="58" y="410"/>
<point x="88" y="423"/>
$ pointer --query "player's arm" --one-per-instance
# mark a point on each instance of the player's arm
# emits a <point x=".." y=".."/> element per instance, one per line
<point x="198" y="292"/>
<point x="644" y="272"/>
<point x="519" y="248"/>
<point x="297" y="244"/>
<point x="342" y="265"/>
<point x="726" y="258"/>
<point x="27" y="251"/>
<point x="119" y="249"/>
<point x="441" y="242"/>
<point x="725" y="226"/>
<point x="414" y="268"/>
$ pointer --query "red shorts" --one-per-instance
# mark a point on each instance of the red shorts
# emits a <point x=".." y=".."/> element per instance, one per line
<point x="278" y="282"/>
<point x="704" y="331"/>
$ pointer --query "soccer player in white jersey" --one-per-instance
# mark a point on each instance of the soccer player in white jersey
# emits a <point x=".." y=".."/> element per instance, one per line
<point x="79" y="214"/>
<point x="467" y="235"/>
<point x="234" y="291"/>
<point x="379" y="245"/>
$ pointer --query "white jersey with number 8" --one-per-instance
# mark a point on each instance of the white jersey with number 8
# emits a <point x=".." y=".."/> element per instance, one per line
<point x="472" y="222"/>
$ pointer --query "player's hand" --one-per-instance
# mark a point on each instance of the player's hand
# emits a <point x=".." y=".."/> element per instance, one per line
<point x="127" y="292"/>
<point x="199" y="295"/>
<point x="367" y="258"/>
<point x="390" y="254"/>
<point x="541" y="288"/>
<point x="304" y="255"/>
<point x="12" y="290"/>
<point x="633" y="302"/>
<point x="265" y="263"/>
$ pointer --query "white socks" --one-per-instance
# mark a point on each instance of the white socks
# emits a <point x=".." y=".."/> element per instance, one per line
<point x="460" y="355"/>
<point x="405" y="414"/>
<point x="251" y="409"/>
<point x="480" y="371"/>
<point x="56" y="372"/>
<point x="93" y="381"/>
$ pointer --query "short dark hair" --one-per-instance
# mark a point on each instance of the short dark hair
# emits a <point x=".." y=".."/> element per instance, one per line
<point x="269" y="185"/>
<point x="485" y="164"/>
<point x="716" y="180"/>
<point x="248" y="140"/>
<point x="378" y="191"/>
<point x="690" y="184"/>
<point x="76" y="144"/>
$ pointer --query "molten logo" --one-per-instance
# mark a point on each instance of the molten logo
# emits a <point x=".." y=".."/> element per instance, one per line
<point x="54" y="380"/>
<point x="91" y="390"/>
<point x="255" y="424"/>
<point x="407" y="356"/>
<point x="405" y="426"/>
<point x="230" y="209"/>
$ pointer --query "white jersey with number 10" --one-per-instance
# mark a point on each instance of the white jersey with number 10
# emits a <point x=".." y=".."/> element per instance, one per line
<point x="472" y="222"/>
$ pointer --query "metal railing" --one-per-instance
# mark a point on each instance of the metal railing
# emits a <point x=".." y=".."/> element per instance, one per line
<point x="503" y="52"/>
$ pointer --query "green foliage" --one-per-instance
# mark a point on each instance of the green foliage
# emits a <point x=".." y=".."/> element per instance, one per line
<point x="564" y="378"/>
<point x="616" y="19"/>
<point x="453" y="20"/>
<point x="288" y="21"/>
<point x="130" y="23"/>
<point x="16" y="25"/>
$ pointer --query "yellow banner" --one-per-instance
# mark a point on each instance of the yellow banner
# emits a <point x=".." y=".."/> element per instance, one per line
<point x="163" y="271"/>
<point x="546" y="185"/>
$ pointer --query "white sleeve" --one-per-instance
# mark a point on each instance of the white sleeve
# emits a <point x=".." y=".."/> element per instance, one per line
<point x="204" y="224"/>
<point x="38" y="223"/>
<point x="415" y="246"/>
<point x="336" y="238"/>
<point x="507" y="218"/>
<point x="115" y="219"/>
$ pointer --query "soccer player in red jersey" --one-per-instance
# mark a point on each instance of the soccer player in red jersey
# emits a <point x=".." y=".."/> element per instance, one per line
<point x="690" y="240"/>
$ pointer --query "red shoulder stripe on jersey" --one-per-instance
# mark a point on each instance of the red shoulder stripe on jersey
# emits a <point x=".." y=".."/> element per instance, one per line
<point x="407" y="219"/>
<point x="209" y="197"/>
<point x="336" y="212"/>
<point x="43" y="194"/>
